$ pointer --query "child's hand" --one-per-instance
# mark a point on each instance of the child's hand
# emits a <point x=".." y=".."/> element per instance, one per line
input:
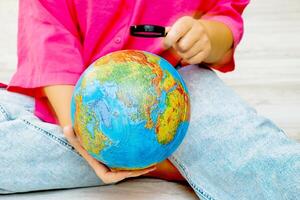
<point x="105" y="174"/>
<point x="190" y="40"/>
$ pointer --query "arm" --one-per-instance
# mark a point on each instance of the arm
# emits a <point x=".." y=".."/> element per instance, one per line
<point x="60" y="97"/>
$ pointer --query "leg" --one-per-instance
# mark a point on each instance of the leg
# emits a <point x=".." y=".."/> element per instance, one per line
<point x="230" y="152"/>
<point x="34" y="155"/>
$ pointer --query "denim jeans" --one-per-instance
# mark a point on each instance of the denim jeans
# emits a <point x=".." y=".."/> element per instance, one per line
<point x="229" y="153"/>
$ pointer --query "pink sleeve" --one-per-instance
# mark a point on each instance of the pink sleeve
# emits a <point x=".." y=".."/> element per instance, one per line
<point x="49" y="48"/>
<point x="228" y="12"/>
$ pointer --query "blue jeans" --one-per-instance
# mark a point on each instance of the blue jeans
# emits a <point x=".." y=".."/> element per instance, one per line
<point x="229" y="152"/>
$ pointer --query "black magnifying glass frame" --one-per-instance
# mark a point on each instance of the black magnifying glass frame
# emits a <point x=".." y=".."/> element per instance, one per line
<point x="150" y="31"/>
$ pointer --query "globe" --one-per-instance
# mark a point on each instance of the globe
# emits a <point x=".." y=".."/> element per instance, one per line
<point x="130" y="109"/>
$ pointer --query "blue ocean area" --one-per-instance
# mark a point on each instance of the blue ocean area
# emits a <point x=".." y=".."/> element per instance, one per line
<point x="131" y="144"/>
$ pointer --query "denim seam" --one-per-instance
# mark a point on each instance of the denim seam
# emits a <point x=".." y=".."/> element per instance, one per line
<point x="4" y="112"/>
<point x="53" y="137"/>
<point x="201" y="191"/>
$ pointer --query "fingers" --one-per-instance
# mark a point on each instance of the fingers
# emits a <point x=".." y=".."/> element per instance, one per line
<point x="167" y="29"/>
<point x="178" y="30"/>
<point x="194" y="50"/>
<point x="136" y="173"/>
<point x="71" y="137"/>
<point x="103" y="172"/>
<point x="197" y="58"/>
<point x="192" y="55"/>
<point x="112" y="177"/>
<point x="190" y="39"/>
<point x="195" y="34"/>
<point x="74" y="141"/>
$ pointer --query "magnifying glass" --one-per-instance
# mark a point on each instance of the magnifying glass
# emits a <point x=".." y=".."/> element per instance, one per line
<point x="150" y="31"/>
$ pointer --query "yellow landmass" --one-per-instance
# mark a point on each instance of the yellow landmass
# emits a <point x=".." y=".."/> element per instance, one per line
<point x="150" y="102"/>
<point x="129" y="68"/>
<point x="168" y="82"/>
<point x="175" y="113"/>
<point x="83" y="116"/>
<point x="136" y="72"/>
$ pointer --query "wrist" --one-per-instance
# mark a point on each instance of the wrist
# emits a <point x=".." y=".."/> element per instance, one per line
<point x="220" y="37"/>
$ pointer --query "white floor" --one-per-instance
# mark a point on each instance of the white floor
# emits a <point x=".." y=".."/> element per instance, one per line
<point x="267" y="75"/>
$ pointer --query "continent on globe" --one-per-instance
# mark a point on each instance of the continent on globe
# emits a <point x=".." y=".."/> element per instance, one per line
<point x="130" y="109"/>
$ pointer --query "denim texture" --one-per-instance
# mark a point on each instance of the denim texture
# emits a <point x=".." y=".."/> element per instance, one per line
<point x="230" y="152"/>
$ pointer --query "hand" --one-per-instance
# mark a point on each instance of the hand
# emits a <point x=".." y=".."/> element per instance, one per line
<point x="104" y="173"/>
<point x="190" y="40"/>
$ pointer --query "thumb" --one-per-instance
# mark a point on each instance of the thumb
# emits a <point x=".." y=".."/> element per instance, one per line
<point x="165" y="44"/>
<point x="72" y="138"/>
<point x="69" y="133"/>
<point x="167" y="29"/>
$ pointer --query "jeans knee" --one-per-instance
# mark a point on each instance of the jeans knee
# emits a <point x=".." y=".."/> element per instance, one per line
<point x="4" y="115"/>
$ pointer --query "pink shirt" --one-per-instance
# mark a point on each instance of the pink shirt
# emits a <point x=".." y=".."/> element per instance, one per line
<point x="57" y="40"/>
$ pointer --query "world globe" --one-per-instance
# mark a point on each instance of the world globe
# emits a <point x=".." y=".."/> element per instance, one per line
<point x="130" y="109"/>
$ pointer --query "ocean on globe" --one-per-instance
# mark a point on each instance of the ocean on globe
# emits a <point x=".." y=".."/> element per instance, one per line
<point x="130" y="109"/>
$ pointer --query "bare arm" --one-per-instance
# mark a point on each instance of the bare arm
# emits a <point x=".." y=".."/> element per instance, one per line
<point x="60" y="97"/>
